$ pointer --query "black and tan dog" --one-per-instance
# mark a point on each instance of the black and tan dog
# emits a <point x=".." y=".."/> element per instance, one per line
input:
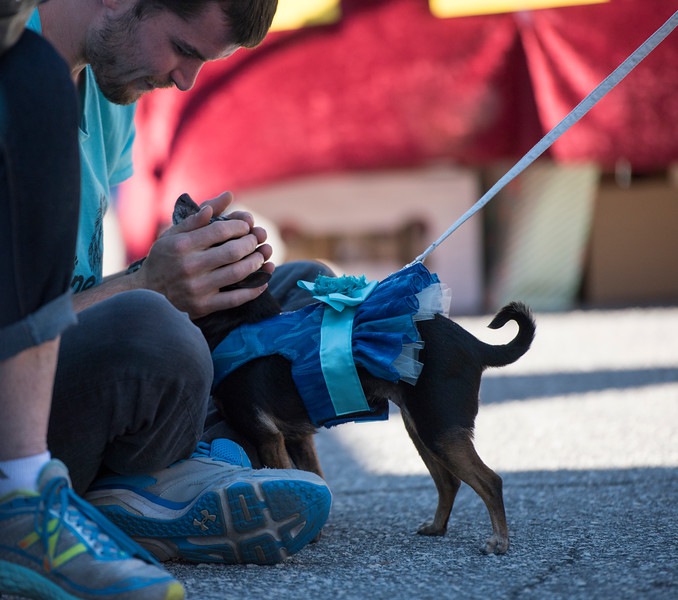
<point x="260" y="401"/>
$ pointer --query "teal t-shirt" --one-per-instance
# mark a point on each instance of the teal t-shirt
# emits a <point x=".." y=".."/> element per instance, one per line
<point x="106" y="136"/>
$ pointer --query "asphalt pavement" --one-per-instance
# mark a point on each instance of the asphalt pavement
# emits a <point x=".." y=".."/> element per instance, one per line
<point x="583" y="431"/>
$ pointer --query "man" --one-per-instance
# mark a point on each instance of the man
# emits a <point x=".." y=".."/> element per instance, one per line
<point x="133" y="378"/>
<point x="39" y="159"/>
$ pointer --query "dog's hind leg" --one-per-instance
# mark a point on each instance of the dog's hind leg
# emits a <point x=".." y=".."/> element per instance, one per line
<point x="467" y="465"/>
<point x="446" y="483"/>
<point x="447" y="486"/>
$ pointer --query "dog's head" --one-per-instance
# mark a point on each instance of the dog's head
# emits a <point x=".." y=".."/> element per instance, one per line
<point x="184" y="207"/>
<point x="217" y="325"/>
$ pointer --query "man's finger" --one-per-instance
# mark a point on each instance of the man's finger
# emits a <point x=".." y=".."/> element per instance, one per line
<point x="219" y="204"/>
<point x="194" y="221"/>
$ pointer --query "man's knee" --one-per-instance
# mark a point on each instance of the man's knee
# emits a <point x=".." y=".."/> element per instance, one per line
<point x="139" y="334"/>
<point x="153" y="330"/>
<point x="141" y="373"/>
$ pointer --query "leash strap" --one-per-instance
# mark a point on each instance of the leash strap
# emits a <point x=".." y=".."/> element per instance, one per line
<point x="573" y="117"/>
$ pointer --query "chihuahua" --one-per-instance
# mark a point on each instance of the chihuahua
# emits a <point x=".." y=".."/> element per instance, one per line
<point x="260" y="401"/>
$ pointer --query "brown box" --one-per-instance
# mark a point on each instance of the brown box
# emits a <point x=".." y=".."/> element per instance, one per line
<point x="634" y="244"/>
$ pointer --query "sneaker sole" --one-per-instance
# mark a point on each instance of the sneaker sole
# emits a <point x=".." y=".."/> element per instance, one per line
<point x="252" y="522"/>
<point x="26" y="583"/>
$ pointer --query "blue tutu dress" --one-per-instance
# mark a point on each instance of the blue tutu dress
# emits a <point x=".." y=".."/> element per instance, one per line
<point x="354" y="323"/>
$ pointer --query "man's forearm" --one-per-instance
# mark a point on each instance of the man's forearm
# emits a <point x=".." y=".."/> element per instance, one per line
<point x="111" y="285"/>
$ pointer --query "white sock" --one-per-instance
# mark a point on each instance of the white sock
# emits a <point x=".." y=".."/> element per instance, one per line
<point x="22" y="473"/>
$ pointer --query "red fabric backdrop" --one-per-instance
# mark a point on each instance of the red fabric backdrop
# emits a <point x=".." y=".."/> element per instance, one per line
<point x="392" y="86"/>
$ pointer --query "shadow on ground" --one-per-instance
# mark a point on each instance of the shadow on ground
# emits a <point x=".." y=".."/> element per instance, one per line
<point x="507" y="388"/>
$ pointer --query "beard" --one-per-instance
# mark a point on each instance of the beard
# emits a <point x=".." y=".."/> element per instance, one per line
<point x="110" y="52"/>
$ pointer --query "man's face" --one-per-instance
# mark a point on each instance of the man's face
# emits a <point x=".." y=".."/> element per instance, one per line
<point x="130" y="57"/>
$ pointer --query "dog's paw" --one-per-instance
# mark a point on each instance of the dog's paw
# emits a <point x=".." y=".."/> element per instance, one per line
<point x="430" y="528"/>
<point x="496" y="545"/>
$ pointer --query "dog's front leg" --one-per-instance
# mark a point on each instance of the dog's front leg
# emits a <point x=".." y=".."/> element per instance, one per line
<point x="304" y="455"/>
<point x="273" y="452"/>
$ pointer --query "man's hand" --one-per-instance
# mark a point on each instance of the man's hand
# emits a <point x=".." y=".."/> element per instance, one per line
<point x="194" y="259"/>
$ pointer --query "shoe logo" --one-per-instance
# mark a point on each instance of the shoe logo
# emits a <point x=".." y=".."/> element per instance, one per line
<point x="52" y="533"/>
<point x="206" y="519"/>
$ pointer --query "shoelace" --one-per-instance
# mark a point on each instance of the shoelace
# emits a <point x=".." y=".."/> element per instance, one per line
<point x="229" y="454"/>
<point x="61" y="504"/>
<point x="201" y="450"/>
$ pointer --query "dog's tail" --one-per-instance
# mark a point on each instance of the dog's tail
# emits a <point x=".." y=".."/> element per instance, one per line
<point x="498" y="356"/>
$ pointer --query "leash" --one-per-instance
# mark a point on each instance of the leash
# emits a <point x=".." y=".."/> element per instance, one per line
<point x="573" y="117"/>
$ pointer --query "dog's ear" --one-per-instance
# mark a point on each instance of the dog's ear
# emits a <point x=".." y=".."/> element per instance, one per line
<point x="184" y="207"/>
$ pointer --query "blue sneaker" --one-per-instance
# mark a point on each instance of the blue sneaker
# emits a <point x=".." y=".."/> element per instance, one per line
<point x="53" y="545"/>
<point x="213" y="507"/>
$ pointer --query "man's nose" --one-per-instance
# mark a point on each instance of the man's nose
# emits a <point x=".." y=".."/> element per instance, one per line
<point x="185" y="75"/>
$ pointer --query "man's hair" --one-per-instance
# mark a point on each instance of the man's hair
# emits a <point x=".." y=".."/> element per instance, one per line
<point x="248" y="20"/>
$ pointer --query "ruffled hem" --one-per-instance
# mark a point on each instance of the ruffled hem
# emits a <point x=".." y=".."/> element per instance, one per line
<point x="433" y="300"/>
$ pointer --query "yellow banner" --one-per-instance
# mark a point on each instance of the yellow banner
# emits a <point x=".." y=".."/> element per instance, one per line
<point x="294" y="14"/>
<point x="465" y="8"/>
